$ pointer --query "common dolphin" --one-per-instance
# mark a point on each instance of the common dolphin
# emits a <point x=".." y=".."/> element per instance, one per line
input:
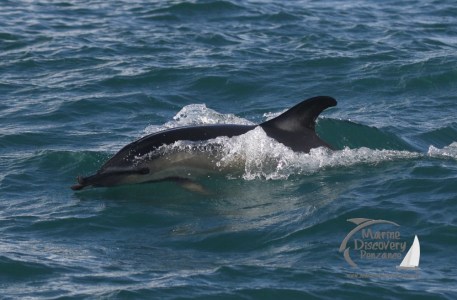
<point x="146" y="160"/>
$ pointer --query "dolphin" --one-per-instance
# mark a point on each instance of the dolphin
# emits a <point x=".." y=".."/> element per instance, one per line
<point x="146" y="160"/>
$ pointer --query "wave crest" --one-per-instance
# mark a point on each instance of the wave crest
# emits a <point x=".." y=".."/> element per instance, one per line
<point x="446" y="152"/>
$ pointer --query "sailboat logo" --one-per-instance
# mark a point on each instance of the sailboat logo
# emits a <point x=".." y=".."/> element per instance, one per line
<point x="361" y="224"/>
<point x="411" y="260"/>
<point x="374" y="239"/>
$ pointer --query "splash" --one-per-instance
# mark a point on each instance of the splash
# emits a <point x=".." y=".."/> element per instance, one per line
<point x="255" y="155"/>
<point x="446" y="152"/>
<point x="263" y="157"/>
<point x="197" y="114"/>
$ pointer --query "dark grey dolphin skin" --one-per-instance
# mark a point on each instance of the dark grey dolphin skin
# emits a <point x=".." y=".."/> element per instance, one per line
<point x="294" y="128"/>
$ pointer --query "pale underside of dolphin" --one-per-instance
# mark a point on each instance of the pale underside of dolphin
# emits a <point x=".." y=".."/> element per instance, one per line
<point x="145" y="161"/>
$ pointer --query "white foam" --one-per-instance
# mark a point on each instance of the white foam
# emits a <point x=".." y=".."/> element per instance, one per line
<point x="197" y="114"/>
<point x="272" y="115"/>
<point x="447" y="152"/>
<point x="263" y="157"/>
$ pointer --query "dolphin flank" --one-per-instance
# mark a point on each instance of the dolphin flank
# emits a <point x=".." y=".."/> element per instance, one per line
<point x="294" y="128"/>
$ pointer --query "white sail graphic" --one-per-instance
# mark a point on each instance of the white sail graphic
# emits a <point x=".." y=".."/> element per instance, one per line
<point x="411" y="260"/>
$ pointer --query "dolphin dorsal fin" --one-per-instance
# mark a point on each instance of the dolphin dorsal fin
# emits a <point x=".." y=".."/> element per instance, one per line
<point x="295" y="127"/>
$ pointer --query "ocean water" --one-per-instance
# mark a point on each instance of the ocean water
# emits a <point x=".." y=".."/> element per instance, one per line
<point x="81" y="79"/>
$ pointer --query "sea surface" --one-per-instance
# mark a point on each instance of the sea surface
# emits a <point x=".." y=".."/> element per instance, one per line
<point x="81" y="79"/>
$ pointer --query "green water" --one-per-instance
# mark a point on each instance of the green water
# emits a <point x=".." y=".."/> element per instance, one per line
<point x="81" y="79"/>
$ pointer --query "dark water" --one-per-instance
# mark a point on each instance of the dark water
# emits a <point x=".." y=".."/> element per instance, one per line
<point x="80" y="79"/>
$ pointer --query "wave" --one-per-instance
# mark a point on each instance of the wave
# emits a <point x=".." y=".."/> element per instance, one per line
<point x="14" y="268"/>
<point x="438" y="138"/>
<point x="199" y="8"/>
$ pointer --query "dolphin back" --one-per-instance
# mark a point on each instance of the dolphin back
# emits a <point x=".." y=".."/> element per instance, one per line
<point x="295" y="128"/>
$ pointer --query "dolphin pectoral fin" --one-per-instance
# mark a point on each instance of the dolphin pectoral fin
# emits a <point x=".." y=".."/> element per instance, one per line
<point x="190" y="185"/>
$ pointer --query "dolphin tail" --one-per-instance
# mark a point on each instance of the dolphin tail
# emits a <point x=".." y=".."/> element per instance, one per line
<point x="295" y="128"/>
<point x="107" y="178"/>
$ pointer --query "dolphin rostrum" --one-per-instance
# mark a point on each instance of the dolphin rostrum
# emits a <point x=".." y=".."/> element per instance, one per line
<point x="146" y="160"/>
